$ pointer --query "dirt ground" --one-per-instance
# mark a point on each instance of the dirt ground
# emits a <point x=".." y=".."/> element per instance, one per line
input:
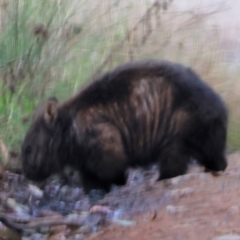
<point x="201" y="207"/>
<point x="197" y="205"/>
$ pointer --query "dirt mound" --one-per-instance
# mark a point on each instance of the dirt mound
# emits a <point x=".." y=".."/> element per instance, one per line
<point x="197" y="205"/>
<point x="200" y="206"/>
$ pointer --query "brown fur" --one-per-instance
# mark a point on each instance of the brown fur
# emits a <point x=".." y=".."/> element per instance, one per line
<point x="139" y="113"/>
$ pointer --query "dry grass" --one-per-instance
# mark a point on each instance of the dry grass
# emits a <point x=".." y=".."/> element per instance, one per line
<point x="103" y="34"/>
<point x="163" y="32"/>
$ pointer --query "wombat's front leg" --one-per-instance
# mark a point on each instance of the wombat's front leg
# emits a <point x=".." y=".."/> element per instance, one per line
<point x="90" y="183"/>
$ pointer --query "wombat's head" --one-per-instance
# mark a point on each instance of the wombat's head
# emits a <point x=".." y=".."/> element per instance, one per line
<point x="41" y="143"/>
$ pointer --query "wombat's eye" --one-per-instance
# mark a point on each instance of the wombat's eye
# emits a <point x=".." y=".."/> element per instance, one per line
<point x="28" y="150"/>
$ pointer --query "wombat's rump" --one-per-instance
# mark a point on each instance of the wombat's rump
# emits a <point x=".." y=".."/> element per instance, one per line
<point x="139" y="113"/>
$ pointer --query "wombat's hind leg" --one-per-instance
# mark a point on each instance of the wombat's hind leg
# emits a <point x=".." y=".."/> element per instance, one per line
<point x="173" y="161"/>
<point x="209" y="148"/>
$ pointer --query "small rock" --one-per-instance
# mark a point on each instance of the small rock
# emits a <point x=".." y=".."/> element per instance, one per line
<point x="79" y="219"/>
<point x="43" y="229"/>
<point x="77" y="205"/>
<point x="58" y="236"/>
<point x="18" y="208"/>
<point x="94" y="229"/>
<point x="94" y="219"/>
<point x="77" y="192"/>
<point x="38" y="236"/>
<point x="126" y="223"/>
<point x="95" y="195"/>
<point x="234" y="209"/>
<point x="83" y="230"/>
<point x="134" y="177"/>
<point x="9" y="234"/>
<point x="47" y="213"/>
<point x="173" y="209"/>
<point x="187" y="177"/>
<point x="180" y="192"/>
<point x="36" y="192"/>
<point x="228" y="237"/>
<point x="77" y="237"/>
<point x="117" y="214"/>
<point x="100" y="209"/>
<point x="62" y="204"/>
<point x="64" y="190"/>
<point x="57" y="229"/>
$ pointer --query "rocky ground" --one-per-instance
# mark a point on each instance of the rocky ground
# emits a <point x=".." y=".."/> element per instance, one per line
<point x="197" y="205"/>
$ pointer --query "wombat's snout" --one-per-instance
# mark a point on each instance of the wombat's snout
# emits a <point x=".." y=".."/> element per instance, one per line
<point x="31" y="173"/>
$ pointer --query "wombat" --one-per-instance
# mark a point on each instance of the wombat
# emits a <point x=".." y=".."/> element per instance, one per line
<point x="140" y="113"/>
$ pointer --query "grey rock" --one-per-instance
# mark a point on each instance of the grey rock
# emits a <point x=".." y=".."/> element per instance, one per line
<point x="228" y="237"/>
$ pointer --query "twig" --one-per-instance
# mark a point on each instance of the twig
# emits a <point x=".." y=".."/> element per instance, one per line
<point x="143" y="22"/>
<point x="12" y="222"/>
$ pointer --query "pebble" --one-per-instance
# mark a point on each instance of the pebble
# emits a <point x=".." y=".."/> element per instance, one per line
<point x="84" y="229"/>
<point x="78" y="205"/>
<point x="76" y="237"/>
<point x="117" y="213"/>
<point x="228" y="237"/>
<point x="234" y="209"/>
<point x="94" y="219"/>
<point x="18" y="208"/>
<point x="58" y="229"/>
<point x="173" y="209"/>
<point x="100" y="209"/>
<point x="122" y="222"/>
<point x="36" y="192"/>
<point x="187" y="177"/>
<point x="36" y="236"/>
<point x="44" y="229"/>
<point x="64" y="190"/>
<point x="181" y="192"/>
<point x="58" y="236"/>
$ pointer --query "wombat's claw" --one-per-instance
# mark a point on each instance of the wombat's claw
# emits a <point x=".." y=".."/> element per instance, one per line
<point x="215" y="174"/>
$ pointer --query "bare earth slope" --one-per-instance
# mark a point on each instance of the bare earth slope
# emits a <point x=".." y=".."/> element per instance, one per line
<point x="195" y="206"/>
<point x="201" y="206"/>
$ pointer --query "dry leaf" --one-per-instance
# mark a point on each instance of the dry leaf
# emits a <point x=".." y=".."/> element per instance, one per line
<point x="4" y="150"/>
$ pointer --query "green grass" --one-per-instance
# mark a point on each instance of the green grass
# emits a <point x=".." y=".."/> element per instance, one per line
<point x="55" y="60"/>
<point x="14" y="108"/>
<point x="23" y="62"/>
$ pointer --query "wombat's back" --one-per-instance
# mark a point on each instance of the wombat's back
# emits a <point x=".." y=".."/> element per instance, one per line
<point x="150" y="103"/>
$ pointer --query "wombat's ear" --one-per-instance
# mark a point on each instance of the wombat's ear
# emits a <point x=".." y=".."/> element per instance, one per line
<point x="50" y="113"/>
